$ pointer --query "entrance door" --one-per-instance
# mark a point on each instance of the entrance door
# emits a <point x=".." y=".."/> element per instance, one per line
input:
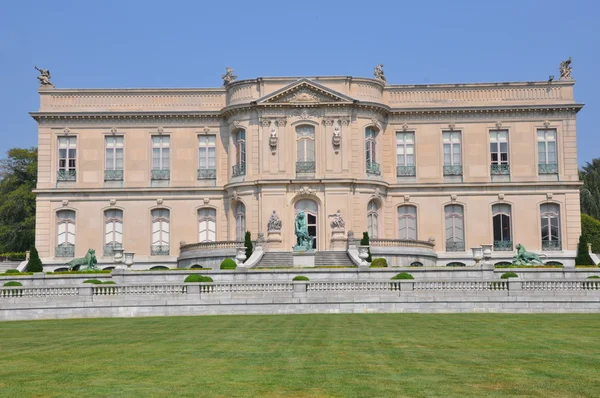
<point x="310" y="208"/>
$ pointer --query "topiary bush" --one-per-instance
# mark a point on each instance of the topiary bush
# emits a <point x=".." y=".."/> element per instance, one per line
<point x="228" y="264"/>
<point x="34" y="264"/>
<point x="300" y="278"/>
<point x="365" y="242"/>
<point x="593" y="277"/>
<point x="13" y="283"/>
<point x="403" y="275"/>
<point x="93" y="281"/>
<point x="583" y="255"/>
<point x="197" y="278"/>
<point x="248" y="244"/>
<point x="507" y="275"/>
<point x="379" y="263"/>
<point x="12" y="271"/>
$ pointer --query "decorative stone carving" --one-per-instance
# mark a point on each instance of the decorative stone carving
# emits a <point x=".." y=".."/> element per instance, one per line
<point x="305" y="190"/>
<point x="337" y="221"/>
<point x="274" y="223"/>
<point x="260" y="240"/>
<point x="453" y="198"/>
<point x="206" y="201"/>
<point x="113" y="202"/>
<point x="265" y="122"/>
<point x="273" y="139"/>
<point x="431" y="240"/>
<point x="113" y="130"/>
<point x="206" y="130"/>
<point x="498" y="124"/>
<point x="379" y="74"/>
<point x="379" y="193"/>
<point x="235" y="196"/>
<point x="67" y="131"/>
<point x="236" y="123"/>
<point x="451" y="126"/>
<point x="407" y="198"/>
<point x="351" y="239"/>
<point x="565" y="69"/>
<point x="546" y="124"/>
<point x="304" y="95"/>
<point x="44" y="78"/>
<point x="228" y="77"/>
<point x="304" y="114"/>
<point x="159" y="201"/>
<point x="65" y="203"/>
<point x="549" y="196"/>
<point x="404" y="126"/>
<point x="500" y="196"/>
<point x="336" y="139"/>
<point x="160" y="130"/>
<point x="281" y="122"/>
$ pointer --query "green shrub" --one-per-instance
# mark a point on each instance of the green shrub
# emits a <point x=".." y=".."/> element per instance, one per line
<point x="13" y="283"/>
<point x="456" y="264"/>
<point x="379" y="263"/>
<point x="300" y="278"/>
<point x="593" y="277"/>
<point x="34" y="264"/>
<point x="507" y="275"/>
<point x="12" y="271"/>
<point x="403" y="275"/>
<point x="196" y="266"/>
<point x="583" y="255"/>
<point x="79" y="272"/>
<point x="93" y="281"/>
<point x="14" y="255"/>
<point x="109" y="283"/>
<point x="590" y="228"/>
<point x="248" y="244"/>
<point x="416" y="264"/>
<point x="228" y="264"/>
<point x="159" y="268"/>
<point x="365" y="242"/>
<point x="197" y="278"/>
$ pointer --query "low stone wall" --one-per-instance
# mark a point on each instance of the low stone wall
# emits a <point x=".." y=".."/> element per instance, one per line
<point x="23" y="303"/>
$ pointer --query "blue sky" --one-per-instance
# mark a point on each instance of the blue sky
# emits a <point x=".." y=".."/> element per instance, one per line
<point x="188" y="44"/>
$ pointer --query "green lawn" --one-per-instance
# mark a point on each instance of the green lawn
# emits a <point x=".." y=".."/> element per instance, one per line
<point x="369" y="355"/>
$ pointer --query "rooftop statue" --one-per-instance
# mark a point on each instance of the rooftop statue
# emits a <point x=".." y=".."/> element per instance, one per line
<point x="565" y="69"/>
<point x="87" y="263"/>
<point x="378" y="73"/>
<point x="44" y="77"/>
<point x="228" y="77"/>
<point x="524" y="257"/>
<point x="303" y="240"/>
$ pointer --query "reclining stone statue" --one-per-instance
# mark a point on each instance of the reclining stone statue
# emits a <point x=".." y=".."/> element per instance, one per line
<point x="87" y="263"/>
<point x="524" y="257"/>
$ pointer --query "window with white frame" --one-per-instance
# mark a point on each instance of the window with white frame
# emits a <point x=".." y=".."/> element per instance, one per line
<point x="65" y="233"/>
<point x="550" y="223"/>
<point x="240" y="221"/>
<point x="239" y="138"/>
<point x="161" y="157"/>
<point x="499" y="152"/>
<point x="373" y="219"/>
<point x="371" y="144"/>
<point x="305" y="149"/>
<point x="207" y="156"/>
<point x="113" y="170"/>
<point x="501" y="214"/>
<point x="207" y="225"/>
<point x="160" y="231"/>
<point x="547" y="154"/>
<point x="67" y="158"/>
<point x="407" y="222"/>
<point x="455" y="228"/>
<point x="452" y="148"/>
<point x="113" y="230"/>
<point x="405" y="154"/>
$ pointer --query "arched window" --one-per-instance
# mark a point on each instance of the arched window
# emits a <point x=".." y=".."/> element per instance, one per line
<point x="373" y="219"/>
<point x="65" y="228"/>
<point x="550" y="221"/>
<point x="407" y="222"/>
<point x="240" y="221"/>
<point x="207" y="225"/>
<point x="455" y="228"/>
<point x="310" y="208"/>
<point x="160" y="232"/>
<point x="371" y="150"/>
<point x="502" y="228"/>
<point x="240" y="153"/>
<point x="305" y="149"/>
<point x="113" y="230"/>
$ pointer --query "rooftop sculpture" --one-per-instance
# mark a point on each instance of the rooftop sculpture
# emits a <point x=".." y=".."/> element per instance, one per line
<point x="228" y="77"/>
<point x="44" y="77"/>
<point x="565" y="69"/>
<point x="378" y="73"/>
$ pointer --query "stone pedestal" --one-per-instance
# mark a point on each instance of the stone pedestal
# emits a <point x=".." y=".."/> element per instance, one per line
<point x="338" y="239"/>
<point x="304" y="259"/>
<point x="274" y="240"/>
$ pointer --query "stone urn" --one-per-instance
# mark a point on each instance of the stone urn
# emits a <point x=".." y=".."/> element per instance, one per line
<point x="240" y="256"/>
<point x="118" y="256"/>
<point x="129" y="259"/>
<point x="363" y="254"/>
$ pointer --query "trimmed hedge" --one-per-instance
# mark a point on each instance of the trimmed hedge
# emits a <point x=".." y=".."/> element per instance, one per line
<point x="13" y="283"/>
<point x="583" y="256"/>
<point x="300" y="278"/>
<point x="93" y="281"/>
<point x="197" y="278"/>
<point x="590" y="229"/>
<point x="14" y="255"/>
<point x="593" y="277"/>
<point x="228" y="264"/>
<point x="507" y="275"/>
<point x="379" y="263"/>
<point x="109" y="283"/>
<point x="34" y="264"/>
<point x="79" y="272"/>
<point x="12" y="271"/>
<point x="403" y="275"/>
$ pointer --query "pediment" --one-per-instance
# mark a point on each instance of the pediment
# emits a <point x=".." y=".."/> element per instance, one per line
<point x="304" y="92"/>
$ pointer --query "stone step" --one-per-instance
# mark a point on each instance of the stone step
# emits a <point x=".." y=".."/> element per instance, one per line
<point x="4" y="265"/>
<point x="339" y="258"/>
<point x="276" y="259"/>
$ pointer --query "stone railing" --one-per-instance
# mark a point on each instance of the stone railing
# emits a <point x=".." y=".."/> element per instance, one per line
<point x="246" y="287"/>
<point x="305" y="167"/>
<point x="26" y="291"/>
<point x="453" y="170"/>
<point x="66" y="175"/>
<point x="137" y="290"/>
<point x="401" y="243"/>
<point x="499" y="169"/>
<point x="350" y="286"/>
<point x="560" y="285"/>
<point x="547" y="168"/>
<point x="207" y="174"/>
<point x="462" y="285"/>
<point x="224" y="244"/>
<point x="113" y="175"/>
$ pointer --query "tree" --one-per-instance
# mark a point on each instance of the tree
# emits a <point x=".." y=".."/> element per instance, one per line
<point x="17" y="201"/>
<point x="248" y="244"/>
<point x="590" y="191"/>
<point x="34" y="264"/>
<point x="590" y="229"/>
<point x="365" y="242"/>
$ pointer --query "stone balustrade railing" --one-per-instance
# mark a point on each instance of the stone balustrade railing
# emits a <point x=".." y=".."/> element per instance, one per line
<point x="560" y="285"/>
<point x="462" y="285"/>
<point x="351" y="286"/>
<point x="401" y="243"/>
<point x="136" y="290"/>
<point x="225" y="244"/>
<point x="35" y="292"/>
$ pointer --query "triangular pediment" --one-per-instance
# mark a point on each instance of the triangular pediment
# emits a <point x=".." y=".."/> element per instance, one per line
<point x="304" y="92"/>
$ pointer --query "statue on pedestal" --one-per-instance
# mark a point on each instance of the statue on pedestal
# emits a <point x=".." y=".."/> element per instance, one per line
<point x="44" y="77"/>
<point x="228" y="77"/>
<point x="304" y="242"/>
<point x="565" y="69"/>
<point x="378" y="73"/>
<point x="524" y="257"/>
<point x="337" y="222"/>
<point x="274" y="223"/>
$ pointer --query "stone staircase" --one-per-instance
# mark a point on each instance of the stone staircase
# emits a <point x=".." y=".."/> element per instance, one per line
<point x="336" y="258"/>
<point x="4" y="265"/>
<point x="276" y="259"/>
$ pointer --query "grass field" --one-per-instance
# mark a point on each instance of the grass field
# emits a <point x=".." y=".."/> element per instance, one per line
<point x="304" y="355"/>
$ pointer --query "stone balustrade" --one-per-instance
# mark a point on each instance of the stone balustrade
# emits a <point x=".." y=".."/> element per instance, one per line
<point x="401" y="243"/>
<point x="225" y="244"/>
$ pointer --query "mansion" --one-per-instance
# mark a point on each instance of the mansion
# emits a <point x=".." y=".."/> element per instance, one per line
<point x="429" y="171"/>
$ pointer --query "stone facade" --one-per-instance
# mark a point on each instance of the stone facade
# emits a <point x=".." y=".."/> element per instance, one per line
<point x="149" y="169"/>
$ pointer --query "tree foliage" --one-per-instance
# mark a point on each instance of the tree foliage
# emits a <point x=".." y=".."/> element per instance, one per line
<point x="590" y="191"/>
<point x="365" y="242"/>
<point x="583" y="256"/>
<point x="248" y="244"/>
<point x="590" y="229"/>
<point x="18" y="173"/>
<point x="34" y="264"/>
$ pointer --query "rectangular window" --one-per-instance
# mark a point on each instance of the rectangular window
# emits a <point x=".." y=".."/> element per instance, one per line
<point x="452" y="149"/>
<point x="547" y="155"/>
<point x="113" y="158"/>
<point x="499" y="152"/>
<point x="67" y="156"/>
<point x="207" y="157"/>
<point x="161" y="146"/>
<point x="405" y="154"/>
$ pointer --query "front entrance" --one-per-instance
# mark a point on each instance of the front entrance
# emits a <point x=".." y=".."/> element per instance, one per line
<point x="310" y="208"/>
